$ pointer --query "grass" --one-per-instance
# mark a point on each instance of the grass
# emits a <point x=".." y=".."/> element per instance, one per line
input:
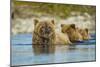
<point x="61" y="10"/>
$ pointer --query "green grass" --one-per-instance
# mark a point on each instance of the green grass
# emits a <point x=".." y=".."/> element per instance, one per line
<point x="61" y="10"/>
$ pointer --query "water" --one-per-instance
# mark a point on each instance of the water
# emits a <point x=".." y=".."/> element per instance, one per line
<point x="23" y="53"/>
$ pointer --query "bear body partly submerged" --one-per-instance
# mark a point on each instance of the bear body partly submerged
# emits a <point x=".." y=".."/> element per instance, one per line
<point x="75" y="34"/>
<point x="44" y="32"/>
<point x="72" y="32"/>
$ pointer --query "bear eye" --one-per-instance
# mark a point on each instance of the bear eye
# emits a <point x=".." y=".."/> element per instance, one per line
<point x="49" y="28"/>
<point x="42" y="28"/>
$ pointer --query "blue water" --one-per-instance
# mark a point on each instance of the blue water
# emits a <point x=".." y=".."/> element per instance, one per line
<point x="23" y="53"/>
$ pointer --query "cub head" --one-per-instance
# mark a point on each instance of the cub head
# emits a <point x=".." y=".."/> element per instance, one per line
<point x="72" y="32"/>
<point x="84" y="33"/>
<point x="68" y="28"/>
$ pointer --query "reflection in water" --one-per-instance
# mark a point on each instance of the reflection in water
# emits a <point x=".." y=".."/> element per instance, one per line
<point x="71" y="47"/>
<point x="43" y="49"/>
<point x="43" y="54"/>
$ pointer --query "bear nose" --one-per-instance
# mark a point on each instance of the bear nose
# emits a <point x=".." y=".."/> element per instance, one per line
<point x="47" y="30"/>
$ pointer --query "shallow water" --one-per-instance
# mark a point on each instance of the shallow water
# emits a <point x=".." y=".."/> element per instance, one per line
<point x="23" y="53"/>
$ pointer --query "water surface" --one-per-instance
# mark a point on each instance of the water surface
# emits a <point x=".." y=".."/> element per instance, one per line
<point x="23" y="53"/>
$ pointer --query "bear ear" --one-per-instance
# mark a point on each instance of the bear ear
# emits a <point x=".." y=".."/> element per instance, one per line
<point x="73" y="26"/>
<point x="53" y="22"/>
<point x="36" y="21"/>
<point x="86" y="29"/>
<point x="62" y="25"/>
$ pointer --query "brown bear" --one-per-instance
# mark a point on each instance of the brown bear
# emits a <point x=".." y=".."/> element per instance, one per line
<point x="72" y="32"/>
<point x="84" y="33"/>
<point x="44" y="32"/>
